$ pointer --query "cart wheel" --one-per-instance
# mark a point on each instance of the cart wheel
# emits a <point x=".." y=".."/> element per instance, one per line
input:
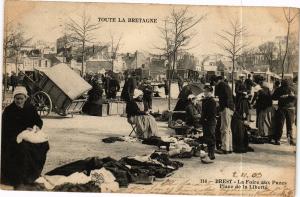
<point x="43" y="103"/>
<point x="62" y="113"/>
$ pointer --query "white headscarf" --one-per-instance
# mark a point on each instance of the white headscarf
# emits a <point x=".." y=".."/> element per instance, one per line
<point x="265" y="84"/>
<point x="20" y="90"/>
<point x="137" y="93"/>
<point x="191" y="96"/>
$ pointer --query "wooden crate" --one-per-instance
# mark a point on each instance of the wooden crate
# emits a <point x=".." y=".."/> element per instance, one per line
<point x="104" y="109"/>
<point x="116" y="108"/>
<point x="121" y="108"/>
<point x="112" y="108"/>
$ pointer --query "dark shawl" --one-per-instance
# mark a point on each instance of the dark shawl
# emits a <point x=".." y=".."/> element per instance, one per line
<point x="20" y="163"/>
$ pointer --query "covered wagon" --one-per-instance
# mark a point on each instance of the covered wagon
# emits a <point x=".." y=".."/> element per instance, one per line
<point x="57" y="89"/>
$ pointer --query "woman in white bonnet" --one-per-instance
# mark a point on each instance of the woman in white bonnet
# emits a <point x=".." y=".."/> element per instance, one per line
<point x="146" y="125"/>
<point x="20" y="163"/>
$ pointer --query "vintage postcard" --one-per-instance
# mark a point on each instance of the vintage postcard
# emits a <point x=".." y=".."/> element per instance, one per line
<point x="149" y="98"/>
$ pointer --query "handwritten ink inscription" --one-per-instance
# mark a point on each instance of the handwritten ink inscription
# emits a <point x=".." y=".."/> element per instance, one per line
<point x="250" y="183"/>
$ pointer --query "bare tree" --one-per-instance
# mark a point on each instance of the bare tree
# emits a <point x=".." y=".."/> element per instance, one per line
<point x="7" y="41"/>
<point x="268" y="50"/>
<point x="232" y="42"/>
<point x="82" y="33"/>
<point x="289" y="19"/>
<point x="177" y="33"/>
<point x="18" y="41"/>
<point x="14" y="41"/>
<point x="115" y="46"/>
<point x="293" y="52"/>
<point x="246" y="58"/>
<point x="206" y="58"/>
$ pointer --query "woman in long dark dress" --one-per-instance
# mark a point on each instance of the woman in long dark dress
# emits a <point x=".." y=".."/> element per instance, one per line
<point x="265" y="111"/>
<point x="146" y="125"/>
<point x="182" y="103"/>
<point x="21" y="163"/>
<point x="242" y="101"/>
<point x="93" y="106"/>
<point x="240" y="140"/>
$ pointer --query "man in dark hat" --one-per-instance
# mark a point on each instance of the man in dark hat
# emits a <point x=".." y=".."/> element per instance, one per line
<point x="276" y="85"/>
<point x="148" y="94"/>
<point x="129" y="87"/>
<point x="106" y="84"/>
<point x="180" y="82"/>
<point x="166" y="87"/>
<point x="13" y="80"/>
<point x="249" y="84"/>
<point x="226" y="105"/>
<point x="114" y="87"/>
<point x="286" y="111"/>
<point x="240" y="89"/>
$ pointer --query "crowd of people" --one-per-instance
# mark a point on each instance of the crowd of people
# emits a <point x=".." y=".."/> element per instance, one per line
<point x="248" y="94"/>
<point x="269" y="118"/>
<point x="11" y="80"/>
<point x="224" y="124"/>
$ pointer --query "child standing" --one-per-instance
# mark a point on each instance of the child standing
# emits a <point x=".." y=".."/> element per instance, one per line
<point x="208" y="119"/>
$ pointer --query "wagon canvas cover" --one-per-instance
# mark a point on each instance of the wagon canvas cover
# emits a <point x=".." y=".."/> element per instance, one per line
<point x="67" y="80"/>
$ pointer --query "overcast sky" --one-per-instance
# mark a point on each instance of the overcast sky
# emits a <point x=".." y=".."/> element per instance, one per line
<point x="45" y="21"/>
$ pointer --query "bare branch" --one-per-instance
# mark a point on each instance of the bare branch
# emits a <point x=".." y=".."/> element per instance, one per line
<point x="81" y="33"/>
<point x="225" y="38"/>
<point x="238" y="49"/>
<point x="192" y="25"/>
<point x="292" y="19"/>
<point x="74" y="24"/>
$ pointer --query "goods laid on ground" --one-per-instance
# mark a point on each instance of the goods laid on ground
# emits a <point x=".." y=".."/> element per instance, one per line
<point x="107" y="174"/>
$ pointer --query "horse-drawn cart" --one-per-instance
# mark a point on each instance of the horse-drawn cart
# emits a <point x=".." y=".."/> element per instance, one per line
<point x="57" y="89"/>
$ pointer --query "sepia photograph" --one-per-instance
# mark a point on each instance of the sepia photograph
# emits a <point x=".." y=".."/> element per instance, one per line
<point x="149" y="98"/>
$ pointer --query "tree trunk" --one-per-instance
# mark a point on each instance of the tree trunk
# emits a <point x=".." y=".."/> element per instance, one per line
<point x="169" y="87"/>
<point x="82" y="59"/>
<point x="286" y="51"/>
<point x="171" y="79"/>
<point x="232" y="72"/>
<point x="17" y="73"/>
<point x="136" y="60"/>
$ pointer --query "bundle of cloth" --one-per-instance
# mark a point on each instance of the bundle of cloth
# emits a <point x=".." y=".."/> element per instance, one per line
<point x="178" y="147"/>
<point x="34" y="136"/>
<point x="157" y="165"/>
<point x="102" y="178"/>
<point x="114" y="139"/>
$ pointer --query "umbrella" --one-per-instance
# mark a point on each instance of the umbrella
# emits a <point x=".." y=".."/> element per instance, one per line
<point x="192" y="88"/>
